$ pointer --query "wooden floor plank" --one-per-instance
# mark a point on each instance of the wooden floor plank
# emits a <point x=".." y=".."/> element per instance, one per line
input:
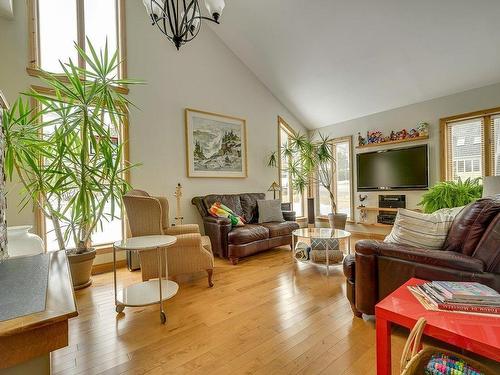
<point x="263" y="316"/>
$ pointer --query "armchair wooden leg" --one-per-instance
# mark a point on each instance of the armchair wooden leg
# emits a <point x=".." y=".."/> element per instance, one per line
<point x="210" y="274"/>
<point x="234" y="261"/>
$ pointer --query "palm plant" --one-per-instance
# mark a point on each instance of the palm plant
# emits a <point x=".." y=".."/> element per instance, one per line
<point x="66" y="150"/>
<point x="310" y="162"/>
<point x="449" y="194"/>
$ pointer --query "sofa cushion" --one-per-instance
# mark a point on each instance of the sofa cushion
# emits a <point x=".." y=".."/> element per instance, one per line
<point x="246" y="234"/>
<point x="249" y="206"/>
<point x="488" y="249"/>
<point x="469" y="226"/>
<point x="269" y="210"/>
<point x="279" y="229"/>
<point x="230" y="200"/>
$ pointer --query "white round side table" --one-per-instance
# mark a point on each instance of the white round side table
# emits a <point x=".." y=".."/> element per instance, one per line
<point x="147" y="292"/>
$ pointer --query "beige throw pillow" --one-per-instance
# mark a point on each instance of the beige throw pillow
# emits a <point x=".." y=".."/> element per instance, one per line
<point x="269" y="210"/>
<point x="428" y="231"/>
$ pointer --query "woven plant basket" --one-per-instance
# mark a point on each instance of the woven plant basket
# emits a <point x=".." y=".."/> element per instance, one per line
<point x="414" y="360"/>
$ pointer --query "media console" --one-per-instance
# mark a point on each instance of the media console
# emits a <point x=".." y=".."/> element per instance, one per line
<point x="384" y="214"/>
<point x="389" y="201"/>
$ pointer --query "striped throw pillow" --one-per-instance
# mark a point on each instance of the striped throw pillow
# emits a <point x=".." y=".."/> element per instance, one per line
<point x="428" y="231"/>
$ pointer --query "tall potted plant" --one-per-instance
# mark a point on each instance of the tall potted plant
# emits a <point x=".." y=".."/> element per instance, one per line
<point x="67" y="153"/>
<point x="311" y="162"/>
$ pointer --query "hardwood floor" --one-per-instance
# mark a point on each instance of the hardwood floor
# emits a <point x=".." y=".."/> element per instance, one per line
<point x="263" y="316"/>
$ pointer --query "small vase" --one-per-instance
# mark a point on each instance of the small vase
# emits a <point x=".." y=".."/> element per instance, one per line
<point x="21" y="242"/>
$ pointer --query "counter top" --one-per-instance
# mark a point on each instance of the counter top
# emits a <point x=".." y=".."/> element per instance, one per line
<point x="31" y="335"/>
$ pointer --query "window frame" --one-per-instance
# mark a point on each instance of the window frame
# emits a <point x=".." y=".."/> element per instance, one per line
<point x="283" y="125"/>
<point x="40" y="227"/>
<point x="33" y="69"/>
<point x="333" y="142"/>
<point x="446" y="168"/>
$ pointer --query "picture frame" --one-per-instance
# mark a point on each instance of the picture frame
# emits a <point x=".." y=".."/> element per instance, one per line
<point x="216" y="145"/>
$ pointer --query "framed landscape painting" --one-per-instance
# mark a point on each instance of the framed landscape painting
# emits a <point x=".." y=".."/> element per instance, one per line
<point x="216" y="145"/>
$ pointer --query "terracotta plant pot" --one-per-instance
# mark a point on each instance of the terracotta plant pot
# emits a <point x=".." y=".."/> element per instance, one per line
<point x="81" y="268"/>
<point x="337" y="221"/>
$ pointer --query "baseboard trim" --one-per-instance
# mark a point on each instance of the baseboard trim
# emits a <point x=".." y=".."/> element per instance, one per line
<point x="108" y="267"/>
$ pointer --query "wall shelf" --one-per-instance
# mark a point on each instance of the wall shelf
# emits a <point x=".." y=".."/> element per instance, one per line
<point x="368" y="145"/>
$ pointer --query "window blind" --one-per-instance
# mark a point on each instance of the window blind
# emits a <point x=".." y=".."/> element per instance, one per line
<point x="495" y="145"/>
<point x="465" y="149"/>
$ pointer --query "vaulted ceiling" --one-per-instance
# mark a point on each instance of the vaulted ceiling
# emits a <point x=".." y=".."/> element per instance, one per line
<point x="333" y="60"/>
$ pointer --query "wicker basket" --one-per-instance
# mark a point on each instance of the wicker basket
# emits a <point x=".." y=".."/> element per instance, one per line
<point x="414" y="361"/>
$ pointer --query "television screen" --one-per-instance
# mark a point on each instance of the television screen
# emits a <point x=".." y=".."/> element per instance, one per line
<point x="397" y="169"/>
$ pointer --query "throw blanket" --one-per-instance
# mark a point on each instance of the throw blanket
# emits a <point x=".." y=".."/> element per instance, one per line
<point x="219" y="210"/>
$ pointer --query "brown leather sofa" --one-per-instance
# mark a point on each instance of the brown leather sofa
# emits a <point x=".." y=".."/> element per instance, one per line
<point x="238" y="242"/>
<point x="471" y="252"/>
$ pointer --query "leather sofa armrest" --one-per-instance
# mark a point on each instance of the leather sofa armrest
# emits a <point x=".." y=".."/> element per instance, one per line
<point x="439" y="258"/>
<point x="217" y="228"/>
<point x="367" y="247"/>
<point x="289" y="215"/>
<point x="217" y="220"/>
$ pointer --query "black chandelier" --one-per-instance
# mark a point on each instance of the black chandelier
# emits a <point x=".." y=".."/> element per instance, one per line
<point x="180" y="20"/>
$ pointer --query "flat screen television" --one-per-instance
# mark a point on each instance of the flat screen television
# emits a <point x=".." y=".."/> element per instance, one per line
<point x="396" y="169"/>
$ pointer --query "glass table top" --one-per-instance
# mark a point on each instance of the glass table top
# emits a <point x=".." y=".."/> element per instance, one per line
<point x="321" y="233"/>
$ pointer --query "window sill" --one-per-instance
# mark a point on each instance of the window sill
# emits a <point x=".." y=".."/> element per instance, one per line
<point x="35" y="72"/>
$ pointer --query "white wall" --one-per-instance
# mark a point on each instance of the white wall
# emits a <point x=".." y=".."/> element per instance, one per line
<point x="408" y="117"/>
<point x="204" y="75"/>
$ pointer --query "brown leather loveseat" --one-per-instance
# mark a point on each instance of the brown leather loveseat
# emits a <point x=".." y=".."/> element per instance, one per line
<point x="238" y="242"/>
<point x="471" y="252"/>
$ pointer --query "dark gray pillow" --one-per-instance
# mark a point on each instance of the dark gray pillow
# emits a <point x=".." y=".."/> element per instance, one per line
<point x="269" y="210"/>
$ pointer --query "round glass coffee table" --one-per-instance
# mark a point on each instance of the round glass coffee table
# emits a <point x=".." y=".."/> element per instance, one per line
<point x="320" y="234"/>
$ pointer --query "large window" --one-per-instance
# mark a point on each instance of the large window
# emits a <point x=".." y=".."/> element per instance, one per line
<point x="470" y="145"/>
<point x="341" y="182"/>
<point x="287" y="194"/>
<point x="56" y="25"/>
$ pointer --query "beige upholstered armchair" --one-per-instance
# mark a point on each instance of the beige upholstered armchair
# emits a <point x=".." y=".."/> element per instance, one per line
<point x="191" y="253"/>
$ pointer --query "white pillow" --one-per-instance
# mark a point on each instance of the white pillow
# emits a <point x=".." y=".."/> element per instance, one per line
<point x="428" y="231"/>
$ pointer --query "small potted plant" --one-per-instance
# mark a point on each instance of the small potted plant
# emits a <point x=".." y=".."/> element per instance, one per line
<point x="311" y="162"/>
<point x="67" y="154"/>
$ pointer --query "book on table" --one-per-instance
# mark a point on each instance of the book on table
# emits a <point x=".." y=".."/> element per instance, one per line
<point x="457" y="296"/>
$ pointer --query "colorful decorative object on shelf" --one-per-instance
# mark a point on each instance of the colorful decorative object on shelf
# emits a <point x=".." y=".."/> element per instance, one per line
<point x="376" y="136"/>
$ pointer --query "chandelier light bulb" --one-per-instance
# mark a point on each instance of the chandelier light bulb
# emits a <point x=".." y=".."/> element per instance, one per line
<point x="153" y="8"/>
<point x="215" y="8"/>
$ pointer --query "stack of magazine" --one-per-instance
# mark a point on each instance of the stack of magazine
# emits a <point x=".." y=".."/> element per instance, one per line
<point x="457" y="296"/>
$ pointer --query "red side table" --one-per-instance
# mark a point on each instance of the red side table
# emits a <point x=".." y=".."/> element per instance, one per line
<point x="476" y="333"/>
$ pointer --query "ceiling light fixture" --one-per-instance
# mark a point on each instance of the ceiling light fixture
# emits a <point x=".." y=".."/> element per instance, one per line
<point x="180" y="20"/>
